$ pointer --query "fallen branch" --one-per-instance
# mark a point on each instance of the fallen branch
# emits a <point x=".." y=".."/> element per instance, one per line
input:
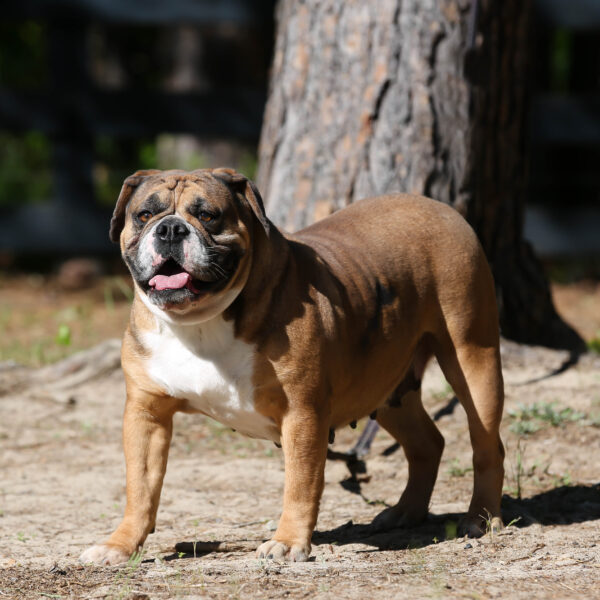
<point x="71" y="372"/>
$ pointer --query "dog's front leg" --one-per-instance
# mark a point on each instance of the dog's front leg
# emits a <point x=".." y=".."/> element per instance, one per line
<point x="304" y="441"/>
<point x="147" y="429"/>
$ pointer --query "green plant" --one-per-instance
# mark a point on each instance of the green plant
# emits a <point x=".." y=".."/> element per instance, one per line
<point x="445" y="393"/>
<point x="492" y="525"/>
<point x="594" y="345"/>
<point x="63" y="337"/>
<point x="529" y="418"/>
<point x="519" y="470"/>
<point x="123" y="580"/>
<point x="524" y="427"/>
<point x="112" y="285"/>
<point x="513" y="522"/>
<point x="564" y="480"/>
<point x="455" y="470"/>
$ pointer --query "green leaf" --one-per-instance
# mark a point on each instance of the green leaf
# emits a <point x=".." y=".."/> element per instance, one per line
<point x="63" y="337"/>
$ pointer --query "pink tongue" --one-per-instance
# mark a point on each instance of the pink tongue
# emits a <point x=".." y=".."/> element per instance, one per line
<point x="170" y="282"/>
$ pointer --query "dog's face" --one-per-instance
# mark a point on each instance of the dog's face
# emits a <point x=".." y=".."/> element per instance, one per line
<point x="187" y="238"/>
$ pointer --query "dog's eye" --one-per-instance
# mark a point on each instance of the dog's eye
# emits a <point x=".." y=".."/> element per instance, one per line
<point x="145" y="216"/>
<point x="206" y="217"/>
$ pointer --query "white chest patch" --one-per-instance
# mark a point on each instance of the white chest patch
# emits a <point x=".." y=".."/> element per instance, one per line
<point x="211" y="369"/>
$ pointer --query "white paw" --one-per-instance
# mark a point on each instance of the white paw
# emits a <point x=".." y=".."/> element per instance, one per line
<point x="280" y="551"/>
<point x="102" y="554"/>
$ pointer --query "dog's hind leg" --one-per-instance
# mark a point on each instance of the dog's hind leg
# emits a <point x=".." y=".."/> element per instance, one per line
<point x="474" y="373"/>
<point x="423" y="445"/>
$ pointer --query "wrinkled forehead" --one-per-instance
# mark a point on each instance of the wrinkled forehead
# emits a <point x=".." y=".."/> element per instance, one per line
<point x="181" y="187"/>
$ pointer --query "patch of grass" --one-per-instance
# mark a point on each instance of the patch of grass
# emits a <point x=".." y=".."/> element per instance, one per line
<point x="530" y="418"/>
<point x="563" y="480"/>
<point x="87" y="428"/>
<point x="455" y="470"/>
<point x="594" y="345"/>
<point x="491" y="528"/>
<point x="525" y="427"/>
<point x="116" y="286"/>
<point x="444" y="394"/>
<point x="520" y="473"/>
<point x="36" y="335"/>
<point x="451" y="529"/>
<point x="123" y="580"/>
<point x="415" y="558"/>
<point x="63" y="336"/>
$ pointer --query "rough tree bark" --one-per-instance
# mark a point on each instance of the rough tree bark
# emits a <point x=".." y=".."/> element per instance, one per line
<point x="421" y="96"/>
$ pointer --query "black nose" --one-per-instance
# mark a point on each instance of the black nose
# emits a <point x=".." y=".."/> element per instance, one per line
<point x="171" y="229"/>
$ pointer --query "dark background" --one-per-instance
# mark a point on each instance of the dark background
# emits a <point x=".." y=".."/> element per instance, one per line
<point x="91" y="90"/>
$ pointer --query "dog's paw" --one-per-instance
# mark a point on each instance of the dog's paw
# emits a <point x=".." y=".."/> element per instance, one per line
<point x="395" y="516"/>
<point x="281" y="551"/>
<point x="476" y="526"/>
<point x="104" y="554"/>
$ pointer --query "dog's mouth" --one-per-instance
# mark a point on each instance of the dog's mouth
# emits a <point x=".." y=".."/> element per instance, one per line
<point x="173" y="277"/>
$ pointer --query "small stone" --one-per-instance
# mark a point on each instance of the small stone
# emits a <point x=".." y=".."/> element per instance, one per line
<point x="468" y="546"/>
<point x="271" y="525"/>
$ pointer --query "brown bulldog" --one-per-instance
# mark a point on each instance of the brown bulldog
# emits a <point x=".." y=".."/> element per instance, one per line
<point x="288" y="337"/>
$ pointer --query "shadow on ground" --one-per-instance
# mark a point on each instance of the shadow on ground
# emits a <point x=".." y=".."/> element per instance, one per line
<point x="561" y="506"/>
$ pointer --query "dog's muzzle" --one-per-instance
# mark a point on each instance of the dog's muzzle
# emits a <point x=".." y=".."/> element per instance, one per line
<point x="173" y="263"/>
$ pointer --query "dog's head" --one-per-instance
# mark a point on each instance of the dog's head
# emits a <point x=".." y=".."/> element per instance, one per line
<point x="187" y="238"/>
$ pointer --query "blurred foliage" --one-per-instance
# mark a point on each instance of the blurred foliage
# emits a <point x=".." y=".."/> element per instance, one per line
<point x="119" y="56"/>
<point x="571" y="270"/>
<point x="594" y="344"/>
<point x="249" y="164"/>
<point x="25" y="168"/>
<point x="560" y="60"/>
<point x="126" y="56"/>
<point x="115" y="160"/>
<point x="23" y="49"/>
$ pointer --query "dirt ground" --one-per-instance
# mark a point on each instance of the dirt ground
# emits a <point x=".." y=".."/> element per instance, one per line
<point x="62" y="489"/>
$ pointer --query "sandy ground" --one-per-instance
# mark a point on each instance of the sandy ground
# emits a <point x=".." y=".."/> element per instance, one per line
<point x="62" y="489"/>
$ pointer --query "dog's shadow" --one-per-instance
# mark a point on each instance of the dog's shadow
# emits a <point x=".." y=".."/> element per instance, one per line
<point x="563" y="505"/>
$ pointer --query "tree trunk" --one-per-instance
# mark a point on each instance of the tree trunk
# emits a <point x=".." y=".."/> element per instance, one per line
<point x="420" y="96"/>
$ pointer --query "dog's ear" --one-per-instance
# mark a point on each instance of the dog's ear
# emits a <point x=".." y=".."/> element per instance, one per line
<point x="129" y="185"/>
<point x="247" y="188"/>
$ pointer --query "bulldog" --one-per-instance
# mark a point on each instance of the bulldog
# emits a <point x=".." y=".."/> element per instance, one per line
<point x="289" y="337"/>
